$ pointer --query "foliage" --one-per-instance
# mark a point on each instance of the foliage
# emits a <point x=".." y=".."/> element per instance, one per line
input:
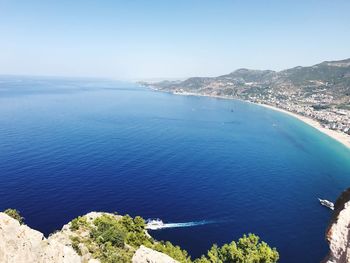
<point x="105" y="239"/>
<point x="107" y="253"/>
<point x="75" y="244"/>
<point x="173" y="251"/>
<point x="14" y="214"/>
<point x="78" y="222"/>
<point x="114" y="239"/>
<point x="135" y="229"/>
<point x="248" y="249"/>
<point x="108" y="230"/>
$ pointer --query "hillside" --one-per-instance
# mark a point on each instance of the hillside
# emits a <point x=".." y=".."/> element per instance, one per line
<point x="321" y="92"/>
<point x="330" y="77"/>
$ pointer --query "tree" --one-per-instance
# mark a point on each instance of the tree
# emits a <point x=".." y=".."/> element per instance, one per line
<point x="139" y="224"/>
<point x="248" y="249"/>
<point x="108" y="231"/>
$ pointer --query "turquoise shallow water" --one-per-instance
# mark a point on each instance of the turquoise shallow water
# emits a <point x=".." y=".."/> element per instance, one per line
<point x="70" y="146"/>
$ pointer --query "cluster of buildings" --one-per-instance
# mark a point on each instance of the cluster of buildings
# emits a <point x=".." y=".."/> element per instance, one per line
<point x="316" y="106"/>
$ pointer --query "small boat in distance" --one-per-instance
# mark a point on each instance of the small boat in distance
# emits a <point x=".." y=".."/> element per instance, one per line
<point x="154" y="224"/>
<point x="326" y="203"/>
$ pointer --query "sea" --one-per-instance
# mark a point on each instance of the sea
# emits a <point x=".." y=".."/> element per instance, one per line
<point x="211" y="169"/>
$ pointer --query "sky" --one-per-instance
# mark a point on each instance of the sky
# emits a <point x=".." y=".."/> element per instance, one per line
<point x="168" y="39"/>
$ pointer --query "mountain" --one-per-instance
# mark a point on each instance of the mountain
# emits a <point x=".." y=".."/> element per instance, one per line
<point x="331" y="78"/>
<point x="320" y="92"/>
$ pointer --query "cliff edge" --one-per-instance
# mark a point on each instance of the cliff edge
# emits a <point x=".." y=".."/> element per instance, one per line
<point x="338" y="232"/>
<point x="106" y="238"/>
<point x="19" y="243"/>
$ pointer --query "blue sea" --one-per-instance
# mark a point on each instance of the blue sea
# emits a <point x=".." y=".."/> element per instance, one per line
<point x="71" y="146"/>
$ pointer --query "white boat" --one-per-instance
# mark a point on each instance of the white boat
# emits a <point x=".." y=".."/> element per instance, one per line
<point x="326" y="203"/>
<point x="154" y="224"/>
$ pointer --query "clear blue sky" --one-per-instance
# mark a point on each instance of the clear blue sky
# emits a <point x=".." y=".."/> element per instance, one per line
<point x="134" y="39"/>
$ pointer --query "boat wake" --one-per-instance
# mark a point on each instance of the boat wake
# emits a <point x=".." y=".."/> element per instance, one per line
<point x="157" y="224"/>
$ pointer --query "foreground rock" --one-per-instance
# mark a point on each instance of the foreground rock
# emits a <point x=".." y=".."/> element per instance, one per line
<point x="338" y="232"/>
<point x="147" y="255"/>
<point x="21" y="244"/>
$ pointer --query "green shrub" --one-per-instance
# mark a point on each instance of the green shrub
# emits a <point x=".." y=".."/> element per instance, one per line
<point x="14" y="214"/>
<point x="248" y="249"/>
<point x="112" y="254"/>
<point x="135" y="231"/>
<point x="78" y="222"/>
<point x="75" y="244"/>
<point x="173" y="251"/>
<point x="139" y="224"/>
<point x="108" y="230"/>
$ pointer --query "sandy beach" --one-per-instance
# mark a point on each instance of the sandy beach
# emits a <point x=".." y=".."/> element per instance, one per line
<point x="336" y="135"/>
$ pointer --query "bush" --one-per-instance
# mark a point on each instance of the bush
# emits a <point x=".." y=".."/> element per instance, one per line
<point x="112" y="254"/>
<point x="247" y="249"/>
<point x="14" y="214"/>
<point x="173" y="251"/>
<point x="78" y="222"/>
<point x="108" y="230"/>
<point x="75" y="244"/>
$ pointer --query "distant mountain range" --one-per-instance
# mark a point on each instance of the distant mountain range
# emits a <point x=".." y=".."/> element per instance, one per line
<point x="331" y="79"/>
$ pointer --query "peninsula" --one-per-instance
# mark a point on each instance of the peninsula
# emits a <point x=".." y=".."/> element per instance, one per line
<point x="318" y="95"/>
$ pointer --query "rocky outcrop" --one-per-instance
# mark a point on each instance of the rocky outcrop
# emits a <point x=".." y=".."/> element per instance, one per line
<point x="21" y="244"/>
<point x="338" y="232"/>
<point x="64" y="237"/>
<point x="147" y="255"/>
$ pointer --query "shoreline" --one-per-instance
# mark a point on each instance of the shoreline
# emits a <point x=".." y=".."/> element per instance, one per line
<point x="335" y="135"/>
<point x="340" y="137"/>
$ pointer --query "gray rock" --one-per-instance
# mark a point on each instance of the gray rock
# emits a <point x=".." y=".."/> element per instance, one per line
<point x="147" y="255"/>
<point x="338" y="233"/>
<point x="20" y="243"/>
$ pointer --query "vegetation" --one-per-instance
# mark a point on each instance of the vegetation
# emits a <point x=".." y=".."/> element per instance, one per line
<point x="78" y="222"/>
<point x="173" y="251"/>
<point x="14" y="214"/>
<point x="75" y="244"/>
<point x="110" y="238"/>
<point x="115" y="239"/>
<point x="248" y="249"/>
<point x="320" y="107"/>
<point x="108" y="231"/>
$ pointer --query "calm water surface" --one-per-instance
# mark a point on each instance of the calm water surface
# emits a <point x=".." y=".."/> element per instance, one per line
<point x="68" y="147"/>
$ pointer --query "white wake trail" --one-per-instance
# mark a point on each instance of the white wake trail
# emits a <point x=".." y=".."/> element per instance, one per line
<point x="161" y="225"/>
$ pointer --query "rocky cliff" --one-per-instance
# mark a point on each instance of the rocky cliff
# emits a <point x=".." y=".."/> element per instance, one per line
<point x="19" y="243"/>
<point x="338" y="232"/>
<point x="145" y="254"/>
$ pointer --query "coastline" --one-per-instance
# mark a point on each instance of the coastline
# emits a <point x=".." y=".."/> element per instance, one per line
<point x="336" y="135"/>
